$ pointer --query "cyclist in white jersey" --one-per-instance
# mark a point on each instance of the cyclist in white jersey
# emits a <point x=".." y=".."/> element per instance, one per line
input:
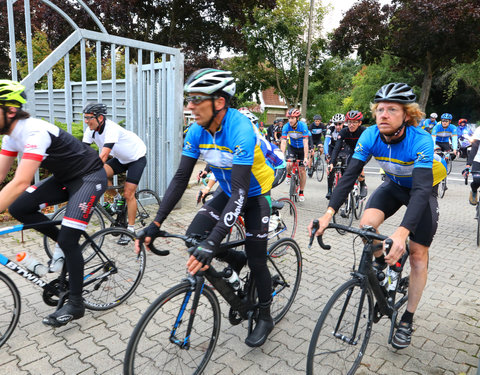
<point x="126" y="148"/>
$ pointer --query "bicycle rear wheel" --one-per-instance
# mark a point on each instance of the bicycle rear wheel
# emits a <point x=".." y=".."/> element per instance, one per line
<point x="285" y="264"/>
<point x="95" y="224"/>
<point x="342" y="331"/>
<point x="159" y="344"/>
<point x="287" y="221"/>
<point x="116" y="269"/>
<point x="344" y="215"/>
<point x="449" y="165"/>
<point x="148" y="203"/>
<point x="319" y="169"/>
<point x="10" y="307"/>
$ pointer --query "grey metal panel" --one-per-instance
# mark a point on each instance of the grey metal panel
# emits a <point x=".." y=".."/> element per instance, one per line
<point x="11" y="35"/>
<point x="114" y="82"/>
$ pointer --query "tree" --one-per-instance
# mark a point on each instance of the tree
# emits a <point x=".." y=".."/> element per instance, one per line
<point x="423" y="34"/>
<point x="276" y="49"/>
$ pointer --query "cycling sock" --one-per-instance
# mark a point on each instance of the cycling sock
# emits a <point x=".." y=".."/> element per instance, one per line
<point x="407" y="317"/>
<point x="131" y="228"/>
<point x="300" y="192"/>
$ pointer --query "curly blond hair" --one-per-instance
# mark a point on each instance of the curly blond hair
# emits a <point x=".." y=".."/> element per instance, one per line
<point x="411" y="109"/>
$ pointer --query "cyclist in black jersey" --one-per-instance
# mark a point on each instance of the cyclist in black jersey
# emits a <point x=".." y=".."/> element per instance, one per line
<point x="338" y="121"/>
<point x="318" y="130"/>
<point x="78" y="177"/>
<point x="348" y="137"/>
<point x="229" y="143"/>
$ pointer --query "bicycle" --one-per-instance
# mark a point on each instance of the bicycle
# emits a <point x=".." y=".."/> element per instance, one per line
<point x="345" y="213"/>
<point x="318" y="165"/>
<point x="342" y="332"/>
<point x="178" y="332"/>
<point x="477" y="208"/>
<point x="148" y="203"/>
<point x="448" y="158"/>
<point x="294" y="181"/>
<point x="111" y="275"/>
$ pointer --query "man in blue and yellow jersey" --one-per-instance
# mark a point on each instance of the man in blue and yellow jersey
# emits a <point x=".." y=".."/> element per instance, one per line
<point x="231" y="147"/>
<point x="405" y="152"/>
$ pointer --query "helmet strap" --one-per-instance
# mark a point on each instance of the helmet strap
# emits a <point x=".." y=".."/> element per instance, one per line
<point x="394" y="134"/>
<point x="214" y="115"/>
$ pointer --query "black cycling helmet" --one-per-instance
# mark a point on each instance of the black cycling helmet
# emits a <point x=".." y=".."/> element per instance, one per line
<point x="395" y="92"/>
<point x="317" y="117"/>
<point x="96" y="109"/>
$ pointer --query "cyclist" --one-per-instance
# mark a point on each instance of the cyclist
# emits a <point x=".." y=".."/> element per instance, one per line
<point x="297" y="134"/>
<point x="78" y="177"/>
<point x="230" y="145"/>
<point x="429" y="123"/>
<point x="271" y="132"/>
<point x="464" y="132"/>
<point x="348" y="138"/>
<point x="331" y="137"/>
<point x="444" y="132"/>
<point x="405" y="152"/>
<point x="473" y="164"/>
<point x="318" y="129"/>
<point x="278" y="133"/>
<point x="128" y="152"/>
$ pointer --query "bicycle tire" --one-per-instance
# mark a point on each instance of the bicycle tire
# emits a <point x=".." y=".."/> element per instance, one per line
<point x="148" y="203"/>
<point x="441" y="188"/>
<point x="328" y="354"/>
<point x="358" y="204"/>
<point x="119" y="269"/>
<point x="293" y="188"/>
<point x="320" y="169"/>
<point x="287" y="226"/>
<point x="285" y="264"/>
<point x="10" y="307"/>
<point x="449" y="165"/>
<point x="95" y="224"/>
<point x="150" y="350"/>
<point x="345" y="214"/>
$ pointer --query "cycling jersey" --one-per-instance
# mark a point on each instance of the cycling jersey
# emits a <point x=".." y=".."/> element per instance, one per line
<point x="330" y="138"/>
<point x="464" y="133"/>
<point x="349" y="139"/>
<point x="428" y="124"/>
<point x="127" y="146"/>
<point x="442" y="135"/>
<point x="58" y="151"/>
<point x="235" y="142"/>
<point x="296" y="135"/>
<point x="317" y="131"/>
<point x="399" y="159"/>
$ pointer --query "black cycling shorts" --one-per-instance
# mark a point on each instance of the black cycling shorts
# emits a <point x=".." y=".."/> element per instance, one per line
<point x="134" y="169"/>
<point x="294" y="153"/>
<point x="444" y="146"/>
<point x="389" y="197"/>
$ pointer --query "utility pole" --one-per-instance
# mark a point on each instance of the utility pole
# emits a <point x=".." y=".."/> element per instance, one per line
<point x="307" y="62"/>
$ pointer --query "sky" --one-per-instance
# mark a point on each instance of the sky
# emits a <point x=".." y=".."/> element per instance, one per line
<point x="333" y="18"/>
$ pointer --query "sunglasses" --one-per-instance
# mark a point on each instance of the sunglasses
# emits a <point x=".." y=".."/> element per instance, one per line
<point x="197" y="99"/>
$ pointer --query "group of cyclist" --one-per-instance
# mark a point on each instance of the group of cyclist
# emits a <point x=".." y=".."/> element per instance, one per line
<point x="243" y="166"/>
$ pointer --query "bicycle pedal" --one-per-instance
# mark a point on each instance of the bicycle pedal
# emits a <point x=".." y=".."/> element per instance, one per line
<point x="234" y="317"/>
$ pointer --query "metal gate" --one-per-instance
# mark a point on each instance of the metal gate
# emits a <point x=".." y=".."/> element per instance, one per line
<point x="150" y="95"/>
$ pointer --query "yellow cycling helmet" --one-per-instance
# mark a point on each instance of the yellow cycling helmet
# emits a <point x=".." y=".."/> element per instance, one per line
<point x="12" y="94"/>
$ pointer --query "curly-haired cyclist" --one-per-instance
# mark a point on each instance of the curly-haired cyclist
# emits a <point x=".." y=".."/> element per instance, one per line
<point x="405" y="152"/>
<point x="78" y="177"/>
<point x="296" y="132"/>
<point x="229" y="144"/>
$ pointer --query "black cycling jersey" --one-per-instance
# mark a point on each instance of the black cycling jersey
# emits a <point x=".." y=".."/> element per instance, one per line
<point x="317" y="132"/>
<point x="348" y="138"/>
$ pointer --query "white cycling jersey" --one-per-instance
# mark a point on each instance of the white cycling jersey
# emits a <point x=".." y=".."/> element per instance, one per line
<point x="128" y="146"/>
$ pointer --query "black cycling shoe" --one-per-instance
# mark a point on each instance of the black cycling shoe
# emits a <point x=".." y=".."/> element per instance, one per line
<point x="403" y="335"/>
<point x="65" y="314"/>
<point x="363" y="190"/>
<point x="329" y="194"/>
<point x="260" y="333"/>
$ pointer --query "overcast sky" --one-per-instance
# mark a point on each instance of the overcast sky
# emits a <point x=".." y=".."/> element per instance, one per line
<point x="332" y="19"/>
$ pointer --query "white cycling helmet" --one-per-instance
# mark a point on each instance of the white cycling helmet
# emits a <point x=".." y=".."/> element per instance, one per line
<point x="211" y="81"/>
<point x="245" y="111"/>
<point x="433" y="115"/>
<point x="338" y="117"/>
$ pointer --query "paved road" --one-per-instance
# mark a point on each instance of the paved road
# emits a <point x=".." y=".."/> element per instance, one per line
<point x="446" y="341"/>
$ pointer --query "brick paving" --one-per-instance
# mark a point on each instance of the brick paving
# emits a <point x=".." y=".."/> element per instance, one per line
<point x="446" y="341"/>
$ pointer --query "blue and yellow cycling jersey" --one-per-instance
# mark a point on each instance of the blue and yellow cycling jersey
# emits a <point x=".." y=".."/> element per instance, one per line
<point x="235" y="142"/>
<point x="295" y="135"/>
<point x="398" y="160"/>
<point x="440" y="134"/>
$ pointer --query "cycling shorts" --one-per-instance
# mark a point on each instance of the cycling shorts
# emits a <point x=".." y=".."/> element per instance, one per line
<point x="444" y="146"/>
<point x="134" y="169"/>
<point x="389" y="197"/>
<point x="294" y="153"/>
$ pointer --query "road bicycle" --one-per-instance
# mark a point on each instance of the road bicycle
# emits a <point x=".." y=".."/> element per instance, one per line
<point x="177" y="334"/>
<point x="477" y="206"/>
<point x="111" y="275"/>
<point x="447" y="156"/>
<point x="318" y="165"/>
<point x="345" y="213"/>
<point x="148" y="203"/>
<point x="342" y="332"/>
<point x="294" y="181"/>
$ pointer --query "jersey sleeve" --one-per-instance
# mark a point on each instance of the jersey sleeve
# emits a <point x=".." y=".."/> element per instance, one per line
<point x="305" y="131"/>
<point x="423" y="153"/>
<point x="36" y="144"/>
<point x="476" y="133"/>
<point x="244" y="144"/>
<point x="285" y="131"/>
<point x="87" y="137"/>
<point x="190" y="145"/>
<point x="364" y="145"/>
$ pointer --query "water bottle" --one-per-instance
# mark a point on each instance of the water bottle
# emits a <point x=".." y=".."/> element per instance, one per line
<point x="392" y="278"/>
<point x="273" y="224"/>
<point x="29" y="262"/>
<point x="110" y="208"/>
<point x="232" y="278"/>
<point x="119" y="202"/>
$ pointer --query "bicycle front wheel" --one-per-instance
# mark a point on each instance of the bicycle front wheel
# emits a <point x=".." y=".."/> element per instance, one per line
<point x="285" y="264"/>
<point x="148" y="203"/>
<point x="10" y="307"/>
<point x="342" y="331"/>
<point x="160" y="342"/>
<point x="95" y="224"/>
<point x="293" y="188"/>
<point x="319" y="169"/>
<point x="442" y="188"/>
<point x="449" y="165"/>
<point x="114" y="271"/>
<point x="287" y="221"/>
<point x="344" y="215"/>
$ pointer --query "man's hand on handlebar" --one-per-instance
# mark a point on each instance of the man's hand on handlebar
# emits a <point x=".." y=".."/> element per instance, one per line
<point x="146" y="236"/>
